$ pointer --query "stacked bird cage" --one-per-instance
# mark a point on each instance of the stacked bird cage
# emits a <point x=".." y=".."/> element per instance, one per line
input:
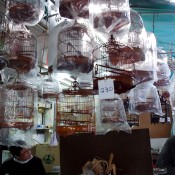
<point x="16" y="106"/>
<point x="76" y="111"/>
<point x="75" y="46"/>
<point x="115" y="61"/>
<point x="21" y="46"/>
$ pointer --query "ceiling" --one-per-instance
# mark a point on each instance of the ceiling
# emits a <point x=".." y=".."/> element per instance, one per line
<point x="158" y="17"/>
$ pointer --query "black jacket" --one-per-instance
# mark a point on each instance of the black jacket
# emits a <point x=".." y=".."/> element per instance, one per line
<point x="166" y="158"/>
<point x="32" y="167"/>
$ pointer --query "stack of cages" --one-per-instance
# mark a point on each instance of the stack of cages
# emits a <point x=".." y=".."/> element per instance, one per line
<point x="76" y="111"/>
<point x="17" y="106"/>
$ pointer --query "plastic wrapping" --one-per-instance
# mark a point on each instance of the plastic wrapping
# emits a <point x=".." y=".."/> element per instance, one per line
<point x="27" y="12"/>
<point x="113" y="116"/>
<point x="111" y="17"/>
<point x="148" y="67"/>
<point x="21" y="46"/>
<point x="74" y="9"/>
<point x="75" y="44"/>
<point x="144" y="98"/>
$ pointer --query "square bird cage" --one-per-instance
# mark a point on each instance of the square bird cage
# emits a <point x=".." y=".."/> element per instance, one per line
<point x="76" y="112"/>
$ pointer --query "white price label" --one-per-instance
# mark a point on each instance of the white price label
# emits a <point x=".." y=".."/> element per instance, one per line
<point x="106" y="89"/>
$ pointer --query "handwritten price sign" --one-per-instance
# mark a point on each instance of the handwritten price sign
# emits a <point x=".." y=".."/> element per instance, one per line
<point x="106" y="89"/>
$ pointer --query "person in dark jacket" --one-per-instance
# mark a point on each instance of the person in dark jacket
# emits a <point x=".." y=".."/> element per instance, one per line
<point x="22" y="162"/>
<point x="166" y="158"/>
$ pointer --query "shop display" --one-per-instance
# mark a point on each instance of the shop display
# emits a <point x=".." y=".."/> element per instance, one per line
<point x="25" y="12"/>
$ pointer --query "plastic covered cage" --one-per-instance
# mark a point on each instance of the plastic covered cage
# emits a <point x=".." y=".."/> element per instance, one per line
<point x="16" y="106"/>
<point x="22" y="47"/>
<point x="28" y="12"/>
<point x="3" y="54"/>
<point x="75" y="44"/>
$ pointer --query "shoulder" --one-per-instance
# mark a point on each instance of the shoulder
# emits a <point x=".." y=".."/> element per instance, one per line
<point x="35" y="158"/>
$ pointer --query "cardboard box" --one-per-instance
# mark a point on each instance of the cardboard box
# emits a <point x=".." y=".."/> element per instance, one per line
<point x="50" y="156"/>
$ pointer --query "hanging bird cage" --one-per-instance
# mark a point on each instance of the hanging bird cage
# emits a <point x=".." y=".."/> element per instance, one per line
<point x="76" y="111"/>
<point x="76" y="8"/>
<point x="22" y="49"/>
<point x="27" y="12"/>
<point x="75" y="46"/>
<point x="115" y="61"/>
<point x="3" y="34"/>
<point x="17" y="106"/>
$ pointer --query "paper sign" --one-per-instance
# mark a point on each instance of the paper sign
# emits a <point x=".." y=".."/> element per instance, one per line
<point x="106" y="89"/>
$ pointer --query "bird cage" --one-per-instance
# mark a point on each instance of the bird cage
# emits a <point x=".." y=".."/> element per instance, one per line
<point x="76" y="8"/>
<point x="144" y="98"/>
<point x="76" y="111"/>
<point x="111" y="17"/>
<point x="115" y="61"/>
<point x="113" y="115"/>
<point x="27" y="12"/>
<point x="17" y="106"/>
<point x="3" y="54"/>
<point x="22" y="49"/>
<point x="75" y="46"/>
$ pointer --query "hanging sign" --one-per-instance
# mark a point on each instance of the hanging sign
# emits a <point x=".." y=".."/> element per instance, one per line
<point x="106" y="89"/>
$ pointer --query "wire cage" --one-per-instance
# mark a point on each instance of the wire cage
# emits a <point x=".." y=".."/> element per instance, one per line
<point x="3" y="54"/>
<point x="76" y="111"/>
<point x="22" y="49"/>
<point x="75" y="46"/>
<point x="27" y="12"/>
<point x="115" y="61"/>
<point x="16" y="106"/>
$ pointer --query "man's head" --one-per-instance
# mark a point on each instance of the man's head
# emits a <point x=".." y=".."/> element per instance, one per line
<point x="20" y="151"/>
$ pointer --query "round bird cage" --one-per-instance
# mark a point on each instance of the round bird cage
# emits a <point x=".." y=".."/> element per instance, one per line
<point x="17" y="106"/>
<point x="27" y="12"/>
<point x="22" y="48"/>
<point x="76" y="111"/>
<point x="3" y="34"/>
<point x="75" y="46"/>
<point x="115" y="61"/>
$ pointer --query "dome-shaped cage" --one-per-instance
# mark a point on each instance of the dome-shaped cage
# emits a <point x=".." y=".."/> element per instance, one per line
<point x="3" y="34"/>
<point x="116" y="61"/>
<point x="16" y="106"/>
<point x="22" y="49"/>
<point x="28" y="12"/>
<point x="76" y="112"/>
<point x="75" y="46"/>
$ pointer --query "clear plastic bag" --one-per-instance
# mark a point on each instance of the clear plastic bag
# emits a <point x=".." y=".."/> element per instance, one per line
<point x="144" y="98"/>
<point x="113" y="116"/>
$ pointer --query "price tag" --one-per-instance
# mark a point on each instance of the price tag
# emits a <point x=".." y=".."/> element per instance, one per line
<point x="106" y="89"/>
